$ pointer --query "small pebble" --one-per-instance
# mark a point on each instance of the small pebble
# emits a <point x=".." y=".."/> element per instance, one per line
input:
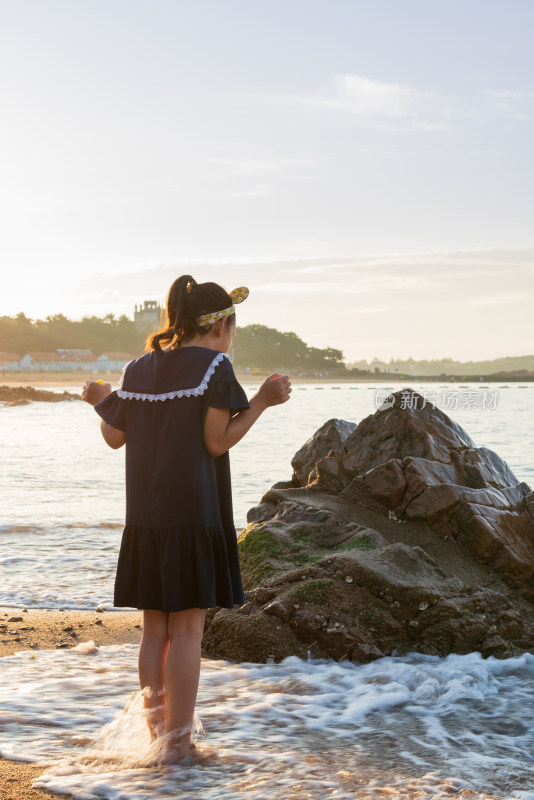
<point x="98" y="622"/>
<point x="15" y="619"/>
<point x="423" y="606"/>
<point x="62" y="644"/>
<point x="348" y="579"/>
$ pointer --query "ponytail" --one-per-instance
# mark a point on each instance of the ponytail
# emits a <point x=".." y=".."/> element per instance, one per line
<point x="187" y="300"/>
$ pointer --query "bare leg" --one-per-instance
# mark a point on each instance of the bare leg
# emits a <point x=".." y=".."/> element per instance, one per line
<point x="185" y="629"/>
<point x="152" y="657"/>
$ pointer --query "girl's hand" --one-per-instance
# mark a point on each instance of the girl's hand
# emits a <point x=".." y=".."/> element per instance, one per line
<point x="93" y="391"/>
<point x="274" y="390"/>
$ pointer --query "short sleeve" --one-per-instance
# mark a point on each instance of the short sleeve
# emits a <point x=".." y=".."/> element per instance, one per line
<point x="112" y="409"/>
<point x="224" y="390"/>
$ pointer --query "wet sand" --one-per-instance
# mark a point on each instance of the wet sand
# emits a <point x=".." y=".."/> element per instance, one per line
<point x="16" y="782"/>
<point x="42" y="380"/>
<point x="45" y="630"/>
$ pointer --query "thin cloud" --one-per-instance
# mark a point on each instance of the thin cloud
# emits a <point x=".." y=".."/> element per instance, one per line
<point x="517" y="104"/>
<point x="234" y="172"/>
<point x="261" y="164"/>
<point x="165" y="186"/>
<point x="370" y="310"/>
<point x="382" y="105"/>
<point x="496" y="300"/>
<point x="261" y="190"/>
<point x="366" y="274"/>
<point x="294" y="287"/>
<point x="377" y="98"/>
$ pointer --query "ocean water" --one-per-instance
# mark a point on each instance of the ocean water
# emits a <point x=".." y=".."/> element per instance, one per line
<point x="402" y="727"/>
<point x="411" y="727"/>
<point x="62" y="488"/>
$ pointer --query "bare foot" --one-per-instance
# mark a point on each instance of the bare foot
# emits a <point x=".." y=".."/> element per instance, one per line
<point x="155" y="718"/>
<point x="189" y="755"/>
<point x="175" y="754"/>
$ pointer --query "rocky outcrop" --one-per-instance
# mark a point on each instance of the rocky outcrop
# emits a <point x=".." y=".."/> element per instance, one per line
<point x="22" y="395"/>
<point x="415" y="461"/>
<point x="394" y="535"/>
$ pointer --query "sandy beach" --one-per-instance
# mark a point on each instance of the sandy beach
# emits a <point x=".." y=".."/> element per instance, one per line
<point x="42" y="629"/>
<point x="38" y="629"/>
<point x="59" y="379"/>
<point x="16" y="782"/>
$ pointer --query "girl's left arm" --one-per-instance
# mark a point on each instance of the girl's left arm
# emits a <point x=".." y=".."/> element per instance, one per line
<point x="221" y="432"/>
<point x="93" y="392"/>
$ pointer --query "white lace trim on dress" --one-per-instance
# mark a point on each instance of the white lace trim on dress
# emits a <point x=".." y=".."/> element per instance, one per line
<point x="198" y="390"/>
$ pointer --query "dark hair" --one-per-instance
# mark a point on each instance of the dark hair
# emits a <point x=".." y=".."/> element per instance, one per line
<point x="186" y="300"/>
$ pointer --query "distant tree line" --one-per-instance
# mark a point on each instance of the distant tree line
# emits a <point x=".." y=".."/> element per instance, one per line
<point x="21" y="335"/>
<point x="254" y="346"/>
<point x="447" y="366"/>
<point x="270" y="349"/>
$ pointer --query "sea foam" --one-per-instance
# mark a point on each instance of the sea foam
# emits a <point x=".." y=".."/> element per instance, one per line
<point x="415" y="726"/>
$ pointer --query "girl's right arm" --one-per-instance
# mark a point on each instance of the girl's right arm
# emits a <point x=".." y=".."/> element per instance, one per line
<point x="93" y="392"/>
<point x="113" y="437"/>
<point x="222" y="432"/>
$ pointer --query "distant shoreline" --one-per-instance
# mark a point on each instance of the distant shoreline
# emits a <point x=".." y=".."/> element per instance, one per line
<point x="60" y="379"/>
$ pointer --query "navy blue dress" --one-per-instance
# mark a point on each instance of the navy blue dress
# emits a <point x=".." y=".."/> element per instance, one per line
<point x="179" y="545"/>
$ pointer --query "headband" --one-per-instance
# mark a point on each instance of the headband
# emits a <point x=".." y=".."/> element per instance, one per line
<point x="237" y="295"/>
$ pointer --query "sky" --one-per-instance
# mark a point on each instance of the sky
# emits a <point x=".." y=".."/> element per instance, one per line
<point x="365" y="168"/>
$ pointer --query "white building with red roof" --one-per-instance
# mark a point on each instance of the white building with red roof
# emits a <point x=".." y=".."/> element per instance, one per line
<point x="9" y="361"/>
<point x="65" y="360"/>
<point x="41" y="360"/>
<point x="113" y="360"/>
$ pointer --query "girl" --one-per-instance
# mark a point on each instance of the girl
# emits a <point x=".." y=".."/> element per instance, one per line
<point x="179" y="409"/>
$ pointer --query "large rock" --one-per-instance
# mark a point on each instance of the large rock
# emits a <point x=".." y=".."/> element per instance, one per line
<point x="395" y="535"/>
<point x="413" y="459"/>
<point x="330" y="437"/>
